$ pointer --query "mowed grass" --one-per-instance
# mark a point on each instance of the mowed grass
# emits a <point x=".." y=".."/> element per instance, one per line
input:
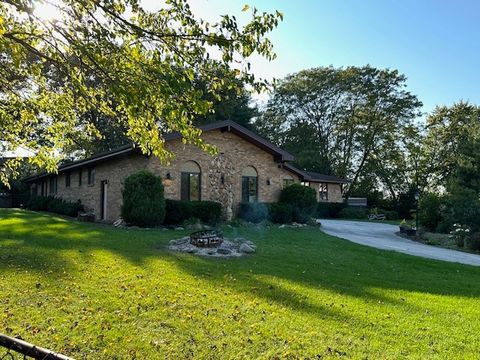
<point x="96" y="292"/>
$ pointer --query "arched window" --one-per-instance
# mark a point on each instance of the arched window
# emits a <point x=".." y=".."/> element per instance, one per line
<point x="190" y="181"/>
<point x="249" y="184"/>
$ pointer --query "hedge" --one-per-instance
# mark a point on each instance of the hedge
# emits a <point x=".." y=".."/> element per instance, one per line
<point x="329" y="210"/>
<point x="354" y="213"/>
<point x="302" y="199"/>
<point x="177" y="211"/>
<point x="143" y="200"/>
<point x="55" y="204"/>
<point x="280" y="213"/>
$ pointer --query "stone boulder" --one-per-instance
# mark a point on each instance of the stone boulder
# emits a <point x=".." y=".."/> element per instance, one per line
<point x="246" y="249"/>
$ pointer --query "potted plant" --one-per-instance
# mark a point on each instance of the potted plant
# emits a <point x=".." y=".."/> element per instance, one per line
<point x="407" y="229"/>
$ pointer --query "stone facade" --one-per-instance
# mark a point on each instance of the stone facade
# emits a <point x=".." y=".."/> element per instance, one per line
<point x="221" y="175"/>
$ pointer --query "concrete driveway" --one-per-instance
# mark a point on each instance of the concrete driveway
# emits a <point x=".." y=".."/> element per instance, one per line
<point x="382" y="236"/>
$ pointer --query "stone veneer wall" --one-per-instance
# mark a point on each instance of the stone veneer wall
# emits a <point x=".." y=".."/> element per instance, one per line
<point x="234" y="154"/>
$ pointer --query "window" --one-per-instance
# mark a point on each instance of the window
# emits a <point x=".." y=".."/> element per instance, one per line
<point x="249" y="185"/>
<point x="80" y="177"/>
<point x="323" y="191"/>
<point x="53" y="185"/>
<point x="305" y="183"/>
<point x="91" y="176"/>
<point x="287" y="181"/>
<point x="43" y="191"/>
<point x="190" y="189"/>
<point x="67" y="179"/>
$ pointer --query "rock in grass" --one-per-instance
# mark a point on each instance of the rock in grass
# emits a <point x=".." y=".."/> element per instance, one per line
<point x="246" y="249"/>
<point x="224" y="251"/>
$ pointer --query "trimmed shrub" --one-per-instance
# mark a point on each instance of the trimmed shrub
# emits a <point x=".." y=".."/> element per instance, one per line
<point x="143" y="200"/>
<point x="430" y="211"/>
<point x="391" y="215"/>
<point x="177" y="211"/>
<point x="302" y="199"/>
<point x="253" y="212"/>
<point x="39" y="203"/>
<point x="473" y="242"/>
<point x="329" y="210"/>
<point x="351" y="212"/>
<point x="280" y="213"/>
<point x="54" y="204"/>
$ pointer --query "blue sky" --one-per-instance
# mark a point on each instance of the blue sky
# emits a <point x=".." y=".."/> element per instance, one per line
<point x="435" y="43"/>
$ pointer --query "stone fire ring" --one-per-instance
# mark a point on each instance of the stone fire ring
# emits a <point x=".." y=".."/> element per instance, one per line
<point x="206" y="238"/>
<point x="227" y="248"/>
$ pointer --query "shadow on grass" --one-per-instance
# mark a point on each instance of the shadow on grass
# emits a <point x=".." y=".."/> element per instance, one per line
<point x="287" y="265"/>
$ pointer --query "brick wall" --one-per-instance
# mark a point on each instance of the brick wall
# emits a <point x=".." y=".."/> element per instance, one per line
<point x="234" y="154"/>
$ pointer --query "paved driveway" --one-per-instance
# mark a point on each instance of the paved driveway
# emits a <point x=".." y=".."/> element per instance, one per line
<point x="382" y="236"/>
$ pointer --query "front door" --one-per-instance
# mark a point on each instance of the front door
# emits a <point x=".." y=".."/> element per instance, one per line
<point x="104" y="188"/>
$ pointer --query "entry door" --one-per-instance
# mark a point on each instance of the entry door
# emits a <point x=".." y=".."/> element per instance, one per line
<point x="104" y="199"/>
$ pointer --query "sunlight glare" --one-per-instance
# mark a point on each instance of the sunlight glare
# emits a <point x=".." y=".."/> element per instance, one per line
<point x="47" y="10"/>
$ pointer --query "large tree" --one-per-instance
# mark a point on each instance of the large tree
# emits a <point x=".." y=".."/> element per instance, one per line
<point x="144" y="65"/>
<point x="350" y="121"/>
<point x="451" y="150"/>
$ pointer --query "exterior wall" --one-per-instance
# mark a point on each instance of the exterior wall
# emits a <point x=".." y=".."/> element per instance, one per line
<point x="114" y="171"/>
<point x="334" y="192"/>
<point x="234" y="154"/>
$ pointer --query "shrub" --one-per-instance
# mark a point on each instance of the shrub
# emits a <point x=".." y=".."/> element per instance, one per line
<point x="143" y="200"/>
<point x="473" y="242"/>
<point x="462" y="209"/>
<point x="55" y="205"/>
<point x="39" y="203"/>
<point x="253" y="212"/>
<point x="351" y="212"/>
<point x="391" y="215"/>
<point x="177" y="211"/>
<point x="430" y="214"/>
<point x="460" y="234"/>
<point x="329" y="210"/>
<point x="302" y="199"/>
<point x="280" y="213"/>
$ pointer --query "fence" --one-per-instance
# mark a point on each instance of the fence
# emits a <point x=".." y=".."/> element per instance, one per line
<point x="12" y="348"/>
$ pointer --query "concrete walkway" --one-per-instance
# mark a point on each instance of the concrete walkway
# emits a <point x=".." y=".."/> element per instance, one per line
<point x="382" y="236"/>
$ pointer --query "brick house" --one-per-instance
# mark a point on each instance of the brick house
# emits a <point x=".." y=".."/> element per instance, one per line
<point x="247" y="169"/>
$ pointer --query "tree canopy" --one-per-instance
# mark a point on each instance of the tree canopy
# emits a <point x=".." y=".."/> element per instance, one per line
<point x="144" y="65"/>
<point x="348" y="121"/>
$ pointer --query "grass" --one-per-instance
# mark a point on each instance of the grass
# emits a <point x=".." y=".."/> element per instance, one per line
<point x="93" y="291"/>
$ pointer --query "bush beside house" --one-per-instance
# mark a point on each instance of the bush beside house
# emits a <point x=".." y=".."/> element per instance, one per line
<point x="297" y="203"/>
<point x="143" y="199"/>
<point x="302" y="199"/>
<point x="55" y="205"/>
<point x="177" y="211"/>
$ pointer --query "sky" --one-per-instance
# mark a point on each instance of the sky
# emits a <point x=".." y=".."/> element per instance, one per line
<point x="435" y="43"/>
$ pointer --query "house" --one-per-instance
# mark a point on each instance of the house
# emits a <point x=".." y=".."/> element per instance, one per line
<point x="247" y="168"/>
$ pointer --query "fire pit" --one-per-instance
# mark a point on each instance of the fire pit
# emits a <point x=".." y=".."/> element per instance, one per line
<point x="206" y="238"/>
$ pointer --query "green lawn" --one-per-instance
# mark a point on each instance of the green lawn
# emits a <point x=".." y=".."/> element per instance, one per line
<point x="97" y="292"/>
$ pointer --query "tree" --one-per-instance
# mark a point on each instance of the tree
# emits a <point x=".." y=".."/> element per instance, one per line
<point x="234" y="103"/>
<point x="451" y="148"/>
<point x="144" y="64"/>
<point x="350" y="121"/>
